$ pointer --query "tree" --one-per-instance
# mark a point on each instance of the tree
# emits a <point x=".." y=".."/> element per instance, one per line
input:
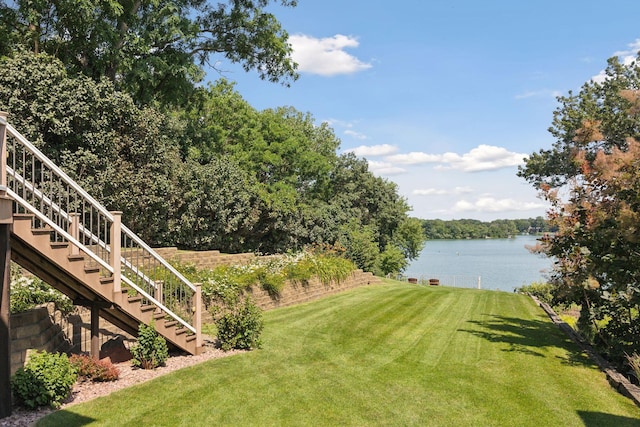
<point x="409" y="238"/>
<point x="591" y="177"/>
<point x="151" y="49"/>
<point x="216" y="209"/>
<point x="602" y="116"/>
<point x="123" y="155"/>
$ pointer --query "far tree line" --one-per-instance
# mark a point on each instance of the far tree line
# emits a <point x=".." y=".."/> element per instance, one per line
<point x="476" y="229"/>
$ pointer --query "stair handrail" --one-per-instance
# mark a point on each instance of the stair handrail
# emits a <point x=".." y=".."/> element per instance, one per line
<point x="10" y="130"/>
<point x="57" y="228"/>
<point x="63" y="232"/>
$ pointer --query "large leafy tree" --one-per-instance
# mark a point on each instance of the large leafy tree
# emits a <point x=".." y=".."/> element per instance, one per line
<point x="591" y="177"/>
<point x="598" y="117"/>
<point x="124" y="155"/>
<point x="152" y="49"/>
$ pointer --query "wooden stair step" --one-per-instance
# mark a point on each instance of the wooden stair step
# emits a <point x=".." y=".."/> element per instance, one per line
<point x="23" y="216"/>
<point x="134" y="299"/>
<point x="148" y="307"/>
<point x="181" y="331"/>
<point x="91" y="269"/>
<point x="75" y="258"/>
<point x="59" y="245"/>
<point x="41" y="231"/>
<point x="191" y="337"/>
<point x="170" y="323"/>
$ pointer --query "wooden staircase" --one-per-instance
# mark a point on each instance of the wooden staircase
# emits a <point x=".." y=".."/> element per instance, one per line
<point x="104" y="267"/>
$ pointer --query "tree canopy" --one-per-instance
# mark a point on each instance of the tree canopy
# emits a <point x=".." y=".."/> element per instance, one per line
<point x="214" y="174"/>
<point x="591" y="178"/>
<point x="154" y="50"/>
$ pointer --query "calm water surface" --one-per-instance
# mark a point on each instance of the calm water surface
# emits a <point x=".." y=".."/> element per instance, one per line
<point x="501" y="264"/>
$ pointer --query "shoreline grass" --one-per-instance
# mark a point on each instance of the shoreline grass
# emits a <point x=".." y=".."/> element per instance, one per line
<point x="391" y="354"/>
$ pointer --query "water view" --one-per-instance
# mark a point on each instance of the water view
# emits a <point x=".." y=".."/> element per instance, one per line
<point x="499" y="264"/>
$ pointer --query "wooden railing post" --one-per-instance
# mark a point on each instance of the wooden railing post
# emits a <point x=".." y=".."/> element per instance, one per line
<point x="74" y="231"/>
<point x="3" y="148"/>
<point x="116" y="236"/>
<point x="198" y="315"/>
<point x="159" y="295"/>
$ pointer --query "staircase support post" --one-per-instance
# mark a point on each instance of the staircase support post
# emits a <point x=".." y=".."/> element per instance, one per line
<point x="6" y="220"/>
<point x="116" y="233"/>
<point x="95" y="330"/>
<point x="198" y="315"/>
<point x="3" y="149"/>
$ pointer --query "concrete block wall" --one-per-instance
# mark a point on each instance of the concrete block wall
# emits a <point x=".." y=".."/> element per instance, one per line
<point x="297" y="293"/>
<point x="292" y="293"/>
<point x="45" y="328"/>
<point x="204" y="259"/>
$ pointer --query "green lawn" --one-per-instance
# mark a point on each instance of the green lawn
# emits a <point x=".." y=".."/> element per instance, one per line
<point x="391" y="355"/>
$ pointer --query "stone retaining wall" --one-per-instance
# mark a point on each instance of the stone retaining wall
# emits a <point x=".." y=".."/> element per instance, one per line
<point x="45" y="328"/>
<point x="296" y="293"/>
<point x="204" y="259"/>
<point x="618" y="381"/>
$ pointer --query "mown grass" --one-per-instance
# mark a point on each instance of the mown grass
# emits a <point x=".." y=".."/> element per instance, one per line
<point x="393" y="354"/>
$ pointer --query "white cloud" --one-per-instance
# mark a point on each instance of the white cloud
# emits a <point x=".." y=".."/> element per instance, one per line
<point x="354" y="134"/>
<point x="482" y="158"/>
<point x="441" y="192"/>
<point x="415" y="158"/>
<point x="625" y="56"/>
<point x="384" y="168"/>
<point x="373" y="150"/>
<point x="326" y="56"/>
<point x="429" y="192"/>
<point x="491" y="204"/>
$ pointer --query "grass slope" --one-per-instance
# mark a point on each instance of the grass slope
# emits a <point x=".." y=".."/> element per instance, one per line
<point x="393" y="354"/>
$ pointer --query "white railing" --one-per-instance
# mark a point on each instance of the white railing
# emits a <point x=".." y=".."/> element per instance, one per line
<point x="453" y="280"/>
<point x="56" y="201"/>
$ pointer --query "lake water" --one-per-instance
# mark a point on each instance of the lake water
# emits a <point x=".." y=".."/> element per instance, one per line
<point x="500" y="264"/>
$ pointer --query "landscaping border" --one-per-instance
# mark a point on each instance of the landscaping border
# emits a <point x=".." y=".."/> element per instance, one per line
<point x="618" y="381"/>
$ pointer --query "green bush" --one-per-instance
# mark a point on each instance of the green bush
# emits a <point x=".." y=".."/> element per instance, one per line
<point x="240" y="327"/>
<point x="46" y="379"/>
<point x="542" y="291"/>
<point x="391" y="260"/>
<point x="150" y="351"/>
<point x="332" y="269"/>
<point x="271" y="281"/>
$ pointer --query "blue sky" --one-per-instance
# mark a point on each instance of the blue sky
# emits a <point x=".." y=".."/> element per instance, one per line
<point x="445" y="98"/>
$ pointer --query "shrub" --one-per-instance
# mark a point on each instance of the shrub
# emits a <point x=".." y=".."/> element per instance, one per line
<point x="329" y="268"/>
<point x="150" y="351"/>
<point x="29" y="292"/>
<point x="569" y="320"/>
<point x="271" y="281"/>
<point x="46" y="379"/>
<point x="240" y="327"/>
<point x="91" y="369"/>
<point x="542" y="291"/>
<point x="391" y="260"/>
<point x="633" y="361"/>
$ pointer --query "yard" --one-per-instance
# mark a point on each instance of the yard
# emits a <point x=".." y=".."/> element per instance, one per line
<point x="392" y="354"/>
